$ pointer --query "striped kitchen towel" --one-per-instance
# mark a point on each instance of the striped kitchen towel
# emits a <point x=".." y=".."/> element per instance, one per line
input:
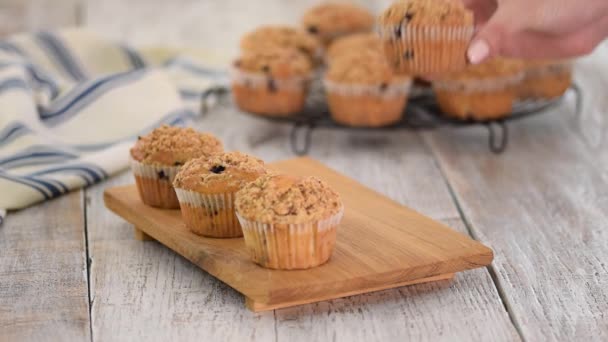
<point x="71" y="104"/>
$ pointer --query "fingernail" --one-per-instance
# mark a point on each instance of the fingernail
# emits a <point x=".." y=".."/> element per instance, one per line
<point x="478" y="51"/>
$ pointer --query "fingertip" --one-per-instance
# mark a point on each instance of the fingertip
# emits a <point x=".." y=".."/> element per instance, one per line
<point x="478" y="51"/>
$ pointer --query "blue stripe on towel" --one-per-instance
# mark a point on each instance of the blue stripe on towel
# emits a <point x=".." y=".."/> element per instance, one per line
<point x="11" y="48"/>
<point x="134" y="57"/>
<point x="12" y="131"/>
<point x="33" y="185"/>
<point x="13" y="83"/>
<point x="61" y="55"/>
<point x="83" y="97"/>
<point x="90" y="173"/>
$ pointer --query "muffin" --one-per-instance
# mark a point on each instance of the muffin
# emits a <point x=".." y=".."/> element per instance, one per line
<point x="332" y="20"/>
<point x="354" y="44"/>
<point x="157" y="157"/>
<point x="271" y="82"/>
<point x="481" y="92"/>
<point x="545" y="79"/>
<point x="283" y="37"/>
<point x="362" y="90"/>
<point x="289" y="222"/>
<point x="424" y="37"/>
<point x="205" y="188"/>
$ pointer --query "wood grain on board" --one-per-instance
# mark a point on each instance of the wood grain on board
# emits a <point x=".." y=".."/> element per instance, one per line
<point x="380" y="243"/>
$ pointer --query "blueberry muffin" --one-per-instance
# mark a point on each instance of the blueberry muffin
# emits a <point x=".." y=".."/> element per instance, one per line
<point x="426" y="36"/>
<point x="157" y="157"/>
<point x="205" y="188"/>
<point x="545" y="79"/>
<point x="283" y="37"/>
<point x="481" y="92"/>
<point x="334" y="19"/>
<point x="271" y="82"/>
<point x="289" y="222"/>
<point x="354" y="44"/>
<point x="362" y="90"/>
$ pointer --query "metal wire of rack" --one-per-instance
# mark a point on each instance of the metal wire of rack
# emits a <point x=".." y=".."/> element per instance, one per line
<point x="422" y="113"/>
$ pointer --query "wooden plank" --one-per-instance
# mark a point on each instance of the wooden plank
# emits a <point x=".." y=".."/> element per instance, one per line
<point x="257" y="306"/>
<point x="541" y="206"/>
<point x="380" y="244"/>
<point x="144" y="290"/>
<point x="28" y="15"/>
<point x="43" y="275"/>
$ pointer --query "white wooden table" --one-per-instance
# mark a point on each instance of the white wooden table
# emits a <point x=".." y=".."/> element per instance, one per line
<point x="71" y="270"/>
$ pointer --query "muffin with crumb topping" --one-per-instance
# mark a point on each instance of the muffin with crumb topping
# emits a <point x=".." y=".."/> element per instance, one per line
<point x="273" y="81"/>
<point x="205" y="188"/>
<point x="362" y="90"/>
<point x="284" y="37"/>
<point x="545" y="79"/>
<point x="157" y="157"/>
<point x="331" y="20"/>
<point x="481" y="92"/>
<point x="354" y="44"/>
<point x="426" y="36"/>
<point x="289" y="222"/>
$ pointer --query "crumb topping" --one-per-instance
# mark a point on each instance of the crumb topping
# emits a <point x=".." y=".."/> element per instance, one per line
<point x="332" y="19"/>
<point x="276" y="62"/>
<point x="174" y="146"/>
<point x="426" y="12"/>
<point x="284" y="199"/>
<point x="366" y="67"/>
<point x="226" y="172"/>
<point x="354" y="44"/>
<point x="281" y="36"/>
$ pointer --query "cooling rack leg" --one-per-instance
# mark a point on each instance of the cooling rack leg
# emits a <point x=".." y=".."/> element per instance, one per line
<point x="207" y="96"/>
<point x="300" y="138"/>
<point x="498" y="141"/>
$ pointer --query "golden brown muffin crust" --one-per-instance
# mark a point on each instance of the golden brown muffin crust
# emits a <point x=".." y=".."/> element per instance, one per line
<point x="329" y="20"/>
<point x="281" y="36"/>
<point x="174" y="146"/>
<point x="367" y="67"/>
<point x="496" y="67"/>
<point x="279" y="63"/>
<point x="354" y="44"/>
<point x="284" y="199"/>
<point x="222" y="173"/>
<point x="427" y="13"/>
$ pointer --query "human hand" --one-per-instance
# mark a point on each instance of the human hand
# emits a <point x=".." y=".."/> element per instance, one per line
<point x="537" y="28"/>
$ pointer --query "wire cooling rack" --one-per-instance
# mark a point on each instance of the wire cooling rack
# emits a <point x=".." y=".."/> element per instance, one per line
<point x="422" y="113"/>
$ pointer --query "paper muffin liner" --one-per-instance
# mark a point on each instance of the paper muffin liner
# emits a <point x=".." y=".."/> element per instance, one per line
<point x="210" y="215"/>
<point x="359" y="105"/>
<point x="546" y="82"/>
<point x="479" y="85"/>
<point x="291" y="246"/>
<point x="478" y="99"/>
<point x="259" y="94"/>
<point x="388" y="91"/>
<point x="155" y="184"/>
<point x="257" y="79"/>
<point x="419" y="49"/>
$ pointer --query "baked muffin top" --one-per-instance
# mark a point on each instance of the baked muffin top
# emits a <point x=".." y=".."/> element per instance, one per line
<point x="174" y="146"/>
<point x="365" y="67"/>
<point x="285" y="199"/>
<point x="276" y="62"/>
<point x="281" y="36"/>
<point x="221" y="173"/>
<point x="493" y="68"/>
<point x="329" y="20"/>
<point x="427" y="12"/>
<point x="354" y="44"/>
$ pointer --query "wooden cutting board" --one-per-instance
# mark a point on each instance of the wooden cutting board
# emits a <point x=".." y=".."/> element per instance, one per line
<point x="381" y="244"/>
